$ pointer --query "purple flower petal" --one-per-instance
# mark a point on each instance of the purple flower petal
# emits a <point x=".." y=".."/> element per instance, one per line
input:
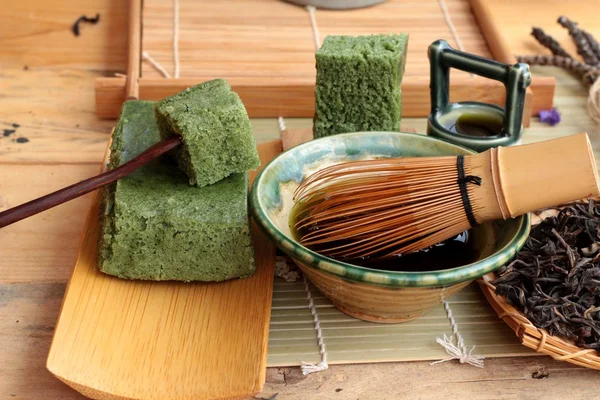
<point x="550" y="117"/>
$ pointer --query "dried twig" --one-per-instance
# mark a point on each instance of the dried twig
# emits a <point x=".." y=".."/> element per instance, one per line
<point x="594" y="45"/>
<point x="581" y="41"/>
<point x="585" y="72"/>
<point x="549" y="42"/>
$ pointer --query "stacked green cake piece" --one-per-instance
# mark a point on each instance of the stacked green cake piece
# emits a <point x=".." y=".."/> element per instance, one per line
<point x="154" y="224"/>
<point x="215" y="129"/>
<point x="358" y="84"/>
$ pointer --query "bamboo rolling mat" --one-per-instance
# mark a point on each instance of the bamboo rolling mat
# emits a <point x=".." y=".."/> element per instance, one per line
<point x="273" y="38"/>
<point x="265" y="49"/>
<point x="293" y="340"/>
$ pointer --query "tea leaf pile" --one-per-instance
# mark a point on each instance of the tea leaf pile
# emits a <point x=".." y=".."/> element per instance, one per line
<point x="555" y="278"/>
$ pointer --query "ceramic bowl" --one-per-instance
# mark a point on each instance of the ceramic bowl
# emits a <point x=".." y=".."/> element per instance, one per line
<point x="365" y="293"/>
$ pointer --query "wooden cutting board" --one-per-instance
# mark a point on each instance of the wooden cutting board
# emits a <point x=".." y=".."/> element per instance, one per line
<point x="119" y="339"/>
<point x="542" y="14"/>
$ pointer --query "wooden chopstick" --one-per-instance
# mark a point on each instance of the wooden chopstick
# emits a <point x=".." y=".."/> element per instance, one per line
<point x="48" y="201"/>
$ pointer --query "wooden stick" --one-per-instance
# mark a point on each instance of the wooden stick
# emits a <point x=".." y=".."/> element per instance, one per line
<point x="134" y="54"/>
<point x="48" y="201"/>
<point x="275" y="96"/>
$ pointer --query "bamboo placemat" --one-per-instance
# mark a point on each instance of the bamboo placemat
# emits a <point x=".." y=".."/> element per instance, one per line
<point x="293" y="340"/>
<point x="265" y="49"/>
<point x="272" y="38"/>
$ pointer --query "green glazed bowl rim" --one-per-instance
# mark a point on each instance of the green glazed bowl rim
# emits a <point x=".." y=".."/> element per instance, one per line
<point x="357" y="273"/>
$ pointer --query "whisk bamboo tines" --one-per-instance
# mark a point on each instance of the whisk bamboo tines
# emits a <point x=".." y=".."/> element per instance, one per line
<point x="386" y="207"/>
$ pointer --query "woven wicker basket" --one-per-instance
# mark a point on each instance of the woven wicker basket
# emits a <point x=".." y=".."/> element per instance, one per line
<point x="531" y="336"/>
<point x="534" y="338"/>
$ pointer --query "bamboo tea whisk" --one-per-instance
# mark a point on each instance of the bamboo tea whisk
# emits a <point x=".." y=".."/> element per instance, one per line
<point x="386" y="207"/>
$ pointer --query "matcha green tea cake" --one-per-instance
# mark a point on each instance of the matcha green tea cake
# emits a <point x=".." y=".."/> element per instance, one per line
<point x="358" y="84"/>
<point x="215" y="128"/>
<point x="155" y="226"/>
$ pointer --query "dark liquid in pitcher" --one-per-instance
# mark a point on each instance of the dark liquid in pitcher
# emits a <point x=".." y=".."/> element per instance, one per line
<point x="473" y="124"/>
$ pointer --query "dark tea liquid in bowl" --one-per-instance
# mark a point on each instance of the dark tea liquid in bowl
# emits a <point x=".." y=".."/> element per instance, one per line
<point x="452" y="253"/>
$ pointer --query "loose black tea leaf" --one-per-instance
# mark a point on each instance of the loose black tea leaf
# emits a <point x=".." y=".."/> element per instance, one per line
<point x="555" y="279"/>
<point x="83" y="18"/>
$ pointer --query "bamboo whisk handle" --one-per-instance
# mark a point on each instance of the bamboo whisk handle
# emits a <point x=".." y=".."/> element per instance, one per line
<point x="48" y="201"/>
<point x="545" y="174"/>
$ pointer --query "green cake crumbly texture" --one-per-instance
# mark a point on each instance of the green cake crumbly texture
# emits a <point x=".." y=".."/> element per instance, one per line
<point x="155" y="226"/>
<point x="358" y="84"/>
<point x="215" y="128"/>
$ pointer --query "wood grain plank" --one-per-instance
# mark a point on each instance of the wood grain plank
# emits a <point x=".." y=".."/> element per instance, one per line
<point x="28" y="313"/>
<point x="37" y="34"/>
<point x="508" y="379"/>
<point x="41" y="248"/>
<point x="53" y="112"/>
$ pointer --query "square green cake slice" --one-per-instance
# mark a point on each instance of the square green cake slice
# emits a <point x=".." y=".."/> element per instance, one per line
<point x="358" y="84"/>
<point x="155" y="226"/>
<point x="215" y="128"/>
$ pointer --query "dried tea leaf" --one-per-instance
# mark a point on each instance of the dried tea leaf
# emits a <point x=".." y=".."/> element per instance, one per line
<point x="555" y="278"/>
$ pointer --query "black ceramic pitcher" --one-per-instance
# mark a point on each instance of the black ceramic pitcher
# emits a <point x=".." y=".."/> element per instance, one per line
<point x="478" y="126"/>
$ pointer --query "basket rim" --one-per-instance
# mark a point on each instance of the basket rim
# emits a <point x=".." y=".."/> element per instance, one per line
<point x="533" y="337"/>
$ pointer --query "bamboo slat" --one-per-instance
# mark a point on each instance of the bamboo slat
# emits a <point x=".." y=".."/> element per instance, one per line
<point x="134" y="49"/>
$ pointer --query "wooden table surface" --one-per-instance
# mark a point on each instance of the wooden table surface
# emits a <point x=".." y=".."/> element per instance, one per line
<point x="50" y="137"/>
